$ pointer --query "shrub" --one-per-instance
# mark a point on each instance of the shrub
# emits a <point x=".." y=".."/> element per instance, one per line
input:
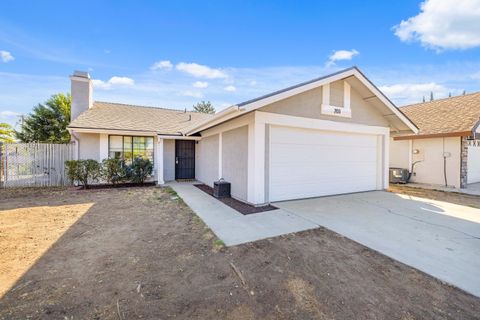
<point x="115" y="171"/>
<point x="83" y="171"/>
<point x="141" y="170"/>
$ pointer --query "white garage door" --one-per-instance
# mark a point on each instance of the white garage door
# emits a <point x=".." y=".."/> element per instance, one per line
<point x="310" y="163"/>
<point x="473" y="163"/>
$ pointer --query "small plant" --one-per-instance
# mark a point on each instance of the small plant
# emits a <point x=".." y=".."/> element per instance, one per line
<point x="115" y="171"/>
<point x="83" y="171"/>
<point x="141" y="170"/>
<point x="219" y="243"/>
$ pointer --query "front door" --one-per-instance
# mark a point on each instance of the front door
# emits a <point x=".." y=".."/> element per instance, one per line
<point x="184" y="159"/>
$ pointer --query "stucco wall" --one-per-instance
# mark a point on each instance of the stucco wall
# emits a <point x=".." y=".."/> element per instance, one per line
<point x="431" y="168"/>
<point x="206" y="160"/>
<point x="89" y="146"/>
<point x="235" y="161"/>
<point x="399" y="154"/>
<point x="168" y="160"/>
<point x="308" y="104"/>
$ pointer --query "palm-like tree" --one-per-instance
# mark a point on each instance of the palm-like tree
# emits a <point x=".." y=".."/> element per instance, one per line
<point x="6" y="132"/>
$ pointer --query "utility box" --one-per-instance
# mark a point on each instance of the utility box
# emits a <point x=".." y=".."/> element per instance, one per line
<point x="399" y="175"/>
<point x="221" y="189"/>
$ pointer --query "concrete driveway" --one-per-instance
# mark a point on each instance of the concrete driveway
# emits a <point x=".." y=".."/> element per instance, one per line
<point x="439" y="238"/>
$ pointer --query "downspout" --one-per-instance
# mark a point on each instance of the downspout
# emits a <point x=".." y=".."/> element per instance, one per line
<point x="444" y="163"/>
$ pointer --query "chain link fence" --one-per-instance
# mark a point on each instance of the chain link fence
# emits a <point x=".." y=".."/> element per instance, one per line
<point x="34" y="164"/>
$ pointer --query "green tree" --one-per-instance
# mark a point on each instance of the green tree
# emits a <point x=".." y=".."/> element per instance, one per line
<point x="6" y="132"/>
<point x="48" y="121"/>
<point x="204" y="107"/>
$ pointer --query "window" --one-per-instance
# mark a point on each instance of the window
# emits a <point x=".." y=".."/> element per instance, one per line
<point x="129" y="148"/>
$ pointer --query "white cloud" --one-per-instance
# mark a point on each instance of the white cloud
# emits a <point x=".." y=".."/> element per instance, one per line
<point x="341" y="55"/>
<point x="230" y="88"/>
<point x="113" y="82"/>
<point x="9" y="114"/>
<point x="443" y="24"/>
<point x="193" y="94"/>
<point x="406" y="93"/>
<point x="6" y="56"/>
<point x="201" y="71"/>
<point x="200" y="84"/>
<point x="162" y="65"/>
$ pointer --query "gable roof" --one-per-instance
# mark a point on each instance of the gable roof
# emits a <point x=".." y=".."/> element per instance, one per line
<point x="125" y="117"/>
<point x="253" y="104"/>
<point x="450" y="116"/>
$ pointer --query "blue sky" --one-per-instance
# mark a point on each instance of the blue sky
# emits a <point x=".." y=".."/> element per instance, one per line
<point x="176" y="53"/>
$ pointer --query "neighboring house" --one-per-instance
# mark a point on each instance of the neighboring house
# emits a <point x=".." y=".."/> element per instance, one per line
<point x="447" y="149"/>
<point x="326" y="136"/>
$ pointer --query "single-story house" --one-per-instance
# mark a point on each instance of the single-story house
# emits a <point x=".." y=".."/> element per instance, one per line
<point x="446" y="151"/>
<point x="326" y="136"/>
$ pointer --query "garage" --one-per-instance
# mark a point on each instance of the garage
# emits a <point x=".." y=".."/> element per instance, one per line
<point x="473" y="164"/>
<point x="307" y="163"/>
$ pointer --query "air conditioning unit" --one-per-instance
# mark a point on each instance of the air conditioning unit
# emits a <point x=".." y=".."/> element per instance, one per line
<point x="399" y="175"/>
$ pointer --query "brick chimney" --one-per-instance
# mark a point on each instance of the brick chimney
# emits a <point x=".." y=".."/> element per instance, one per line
<point x="81" y="91"/>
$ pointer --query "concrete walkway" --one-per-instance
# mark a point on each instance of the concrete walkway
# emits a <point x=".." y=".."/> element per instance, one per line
<point x="233" y="227"/>
<point x="439" y="238"/>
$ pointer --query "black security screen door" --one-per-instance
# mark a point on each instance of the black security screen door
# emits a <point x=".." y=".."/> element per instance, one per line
<point x="184" y="159"/>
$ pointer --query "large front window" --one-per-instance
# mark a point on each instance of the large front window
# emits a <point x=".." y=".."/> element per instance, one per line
<point x="129" y="148"/>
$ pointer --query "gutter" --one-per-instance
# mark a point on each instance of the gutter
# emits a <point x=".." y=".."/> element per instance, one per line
<point x="435" y="135"/>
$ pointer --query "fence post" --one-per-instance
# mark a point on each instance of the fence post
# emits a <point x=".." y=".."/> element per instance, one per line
<point x="1" y="164"/>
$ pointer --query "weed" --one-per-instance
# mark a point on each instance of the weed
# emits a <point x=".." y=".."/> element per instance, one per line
<point x="219" y="243"/>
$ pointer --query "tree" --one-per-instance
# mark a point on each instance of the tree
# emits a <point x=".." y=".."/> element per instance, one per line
<point x="48" y="122"/>
<point x="6" y="132"/>
<point x="204" y="107"/>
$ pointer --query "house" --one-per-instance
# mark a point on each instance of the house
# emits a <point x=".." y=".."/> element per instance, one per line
<point x="447" y="149"/>
<point x="326" y="136"/>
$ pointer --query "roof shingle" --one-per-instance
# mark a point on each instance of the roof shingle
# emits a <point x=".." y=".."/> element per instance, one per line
<point x="444" y="116"/>
<point x="117" y="116"/>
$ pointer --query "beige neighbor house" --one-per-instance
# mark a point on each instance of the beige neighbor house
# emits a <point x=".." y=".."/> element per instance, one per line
<point x="326" y="136"/>
<point x="447" y="149"/>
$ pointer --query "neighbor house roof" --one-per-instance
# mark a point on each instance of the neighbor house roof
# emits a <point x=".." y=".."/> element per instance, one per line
<point x="455" y="116"/>
<point x="125" y="117"/>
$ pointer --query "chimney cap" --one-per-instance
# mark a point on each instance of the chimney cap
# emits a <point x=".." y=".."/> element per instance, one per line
<point x="81" y="74"/>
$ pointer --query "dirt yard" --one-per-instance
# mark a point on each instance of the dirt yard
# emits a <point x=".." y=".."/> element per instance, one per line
<point x="452" y="197"/>
<point x="141" y="253"/>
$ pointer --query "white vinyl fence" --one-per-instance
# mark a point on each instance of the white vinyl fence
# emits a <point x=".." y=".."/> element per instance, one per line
<point x="34" y="164"/>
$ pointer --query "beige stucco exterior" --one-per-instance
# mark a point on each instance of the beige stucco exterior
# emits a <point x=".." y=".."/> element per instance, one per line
<point x="429" y="155"/>
<point x="235" y="161"/>
<point x="206" y="160"/>
<point x="308" y="104"/>
<point x="89" y="146"/>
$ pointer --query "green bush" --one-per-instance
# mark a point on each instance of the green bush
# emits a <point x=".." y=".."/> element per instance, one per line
<point x="115" y="171"/>
<point x="141" y="169"/>
<point x="83" y="171"/>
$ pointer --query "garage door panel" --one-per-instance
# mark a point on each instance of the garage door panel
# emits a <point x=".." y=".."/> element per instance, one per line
<point x="307" y="152"/>
<point x="310" y="163"/>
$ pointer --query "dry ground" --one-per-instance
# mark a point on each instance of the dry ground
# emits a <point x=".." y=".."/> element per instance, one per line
<point x="138" y="253"/>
